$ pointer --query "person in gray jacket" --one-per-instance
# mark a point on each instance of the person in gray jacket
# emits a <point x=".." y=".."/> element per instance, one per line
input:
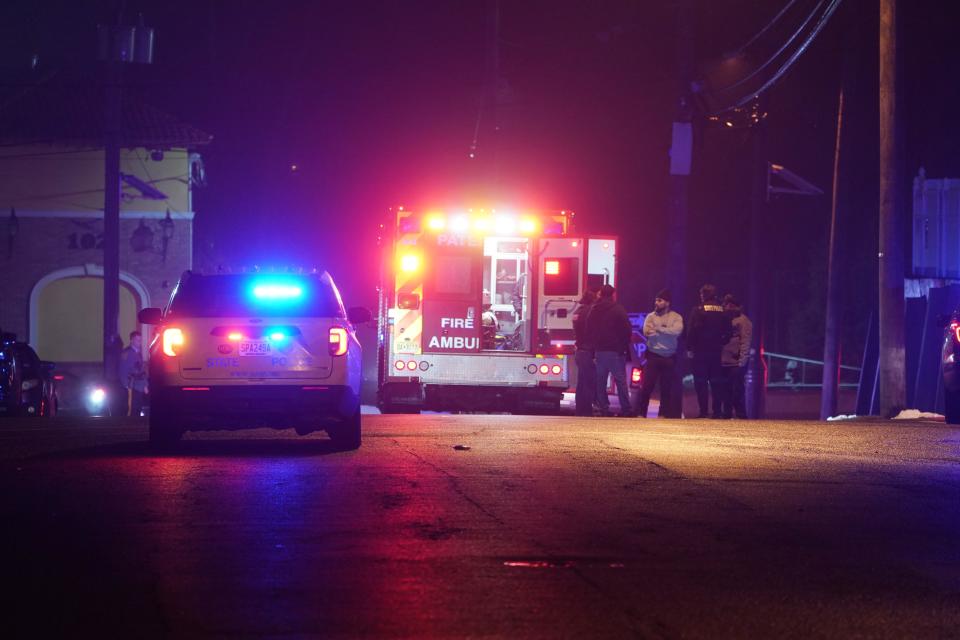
<point x="662" y="329"/>
<point x="734" y="358"/>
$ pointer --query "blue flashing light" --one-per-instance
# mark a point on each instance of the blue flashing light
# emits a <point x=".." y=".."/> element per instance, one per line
<point x="278" y="336"/>
<point x="277" y="291"/>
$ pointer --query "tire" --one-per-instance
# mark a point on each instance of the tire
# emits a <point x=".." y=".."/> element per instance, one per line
<point x="951" y="406"/>
<point x="163" y="431"/>
<point x="346" y="435"/>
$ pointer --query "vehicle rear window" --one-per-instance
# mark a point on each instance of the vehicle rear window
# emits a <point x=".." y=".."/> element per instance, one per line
<point x="265" y="296"/>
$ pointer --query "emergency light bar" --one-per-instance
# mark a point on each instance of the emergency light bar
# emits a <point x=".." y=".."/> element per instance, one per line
<point x="276" y="291"/>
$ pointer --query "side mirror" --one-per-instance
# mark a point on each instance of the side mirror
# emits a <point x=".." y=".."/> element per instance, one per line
<point x="150" y="315"/>
<point x="359" y="315"/>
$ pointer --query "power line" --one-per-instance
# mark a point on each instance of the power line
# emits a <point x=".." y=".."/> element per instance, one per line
<point x="768" y="26"/>
<point x="783" y="47"/>
<point x="831" y="8"/>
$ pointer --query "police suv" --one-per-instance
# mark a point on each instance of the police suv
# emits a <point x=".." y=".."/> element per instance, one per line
<point x="235" y="351"/>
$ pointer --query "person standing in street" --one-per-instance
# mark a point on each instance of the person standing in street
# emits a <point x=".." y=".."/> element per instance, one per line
<point x="708" y="330"/>
<point x="734" y="358"/>
<point x="132" y="374"/>
<point x="662" y="329"/>
<point x="586" y="368"/>
<point x="609" y="331"/>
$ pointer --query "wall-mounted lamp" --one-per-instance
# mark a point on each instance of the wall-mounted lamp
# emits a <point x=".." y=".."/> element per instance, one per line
<point x="166" y="228"/>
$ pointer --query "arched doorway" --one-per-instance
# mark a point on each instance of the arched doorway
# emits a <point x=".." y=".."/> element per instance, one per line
<point x="66" y="313"/>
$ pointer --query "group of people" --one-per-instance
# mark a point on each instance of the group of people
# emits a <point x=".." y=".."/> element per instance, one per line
<point x="716" y="339"/>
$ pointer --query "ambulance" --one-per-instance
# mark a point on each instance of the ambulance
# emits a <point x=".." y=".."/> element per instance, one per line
<point x="476" y="308"/>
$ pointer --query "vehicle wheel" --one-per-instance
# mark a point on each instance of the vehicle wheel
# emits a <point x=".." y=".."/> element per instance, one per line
<point x="164" y="431"/>
<point x="951" y="406"/>
<point x="346" y="435"/>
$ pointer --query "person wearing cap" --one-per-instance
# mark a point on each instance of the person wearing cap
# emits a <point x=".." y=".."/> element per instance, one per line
<point x="586" y="367"/>
<point x="661" y="328"/>
<point x="609" y="331"/>
<point x="734" y="358"/>
<point x="707" y="332"/>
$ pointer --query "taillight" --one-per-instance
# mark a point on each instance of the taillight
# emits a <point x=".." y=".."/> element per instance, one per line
<point x="955" y="329"/>
<point x="338" y="341"/>
<point x="636" y="375"/>
<point x="172" y="340"/>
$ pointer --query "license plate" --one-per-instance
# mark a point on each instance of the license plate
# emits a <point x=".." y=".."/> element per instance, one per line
<point x="257" y="348"/>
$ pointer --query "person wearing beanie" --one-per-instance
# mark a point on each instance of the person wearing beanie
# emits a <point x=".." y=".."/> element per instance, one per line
<point x="609" y="331"/>
<point x="662" y="328"/>
<point x="708" y="330"/>
<point x="734" y="358"/>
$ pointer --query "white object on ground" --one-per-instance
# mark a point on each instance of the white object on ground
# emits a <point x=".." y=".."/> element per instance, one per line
<point x="916" y="414"/>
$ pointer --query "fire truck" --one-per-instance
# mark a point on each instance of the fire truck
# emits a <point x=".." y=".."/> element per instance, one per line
<point x="476" y="308"/>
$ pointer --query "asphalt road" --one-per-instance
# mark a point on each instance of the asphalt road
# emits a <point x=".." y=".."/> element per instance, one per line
<point x="544" y="527"/>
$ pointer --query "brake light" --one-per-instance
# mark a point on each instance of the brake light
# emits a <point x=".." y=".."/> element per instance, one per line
<point x="544" y="369"/>
<point x="338" y="341"/>
<point x="556" y="369"/>
<point x="172" y="340"/>
<point x="955" y="329"/>
<point x="636" y="375"/>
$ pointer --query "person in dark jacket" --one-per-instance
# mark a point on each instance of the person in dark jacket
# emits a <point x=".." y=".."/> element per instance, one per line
<point x="708" y="330"/>
<point x="609" y="331"/>
<point x="133" y="375"/>
<point x="586" y="368"/>
<point x="734" y="358"/>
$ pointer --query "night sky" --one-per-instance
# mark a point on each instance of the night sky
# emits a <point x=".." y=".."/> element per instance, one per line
<point x="376" y="104"/>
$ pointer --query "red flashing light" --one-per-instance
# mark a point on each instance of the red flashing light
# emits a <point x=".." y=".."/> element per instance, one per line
<point x="551" y="267"/>
<point x="338" y="341"/>
<point x="636" y="375"/>
<point x="171" y="340"/>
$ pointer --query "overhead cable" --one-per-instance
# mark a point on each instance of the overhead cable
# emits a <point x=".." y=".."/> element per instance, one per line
<point x="768" y="26"/>
<point x="771" y="59"/>
<point x="831" y="8"/>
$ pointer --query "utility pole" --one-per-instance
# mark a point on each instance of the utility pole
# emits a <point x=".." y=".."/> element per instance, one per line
<point x="831" y="338"/>
<point x="892" y="364"/>
<point x="118" y="45"/>
<point x="755" y="380"/>
<point x="681" y="152"/>
<point x="681" y="161"/>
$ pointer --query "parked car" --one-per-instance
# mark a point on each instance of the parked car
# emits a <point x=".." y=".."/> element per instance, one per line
<point x="949" y="371"/>
<point x="27" y="385"/>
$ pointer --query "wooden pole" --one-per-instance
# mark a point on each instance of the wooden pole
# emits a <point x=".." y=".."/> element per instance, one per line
<point x="891" y="254"/>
